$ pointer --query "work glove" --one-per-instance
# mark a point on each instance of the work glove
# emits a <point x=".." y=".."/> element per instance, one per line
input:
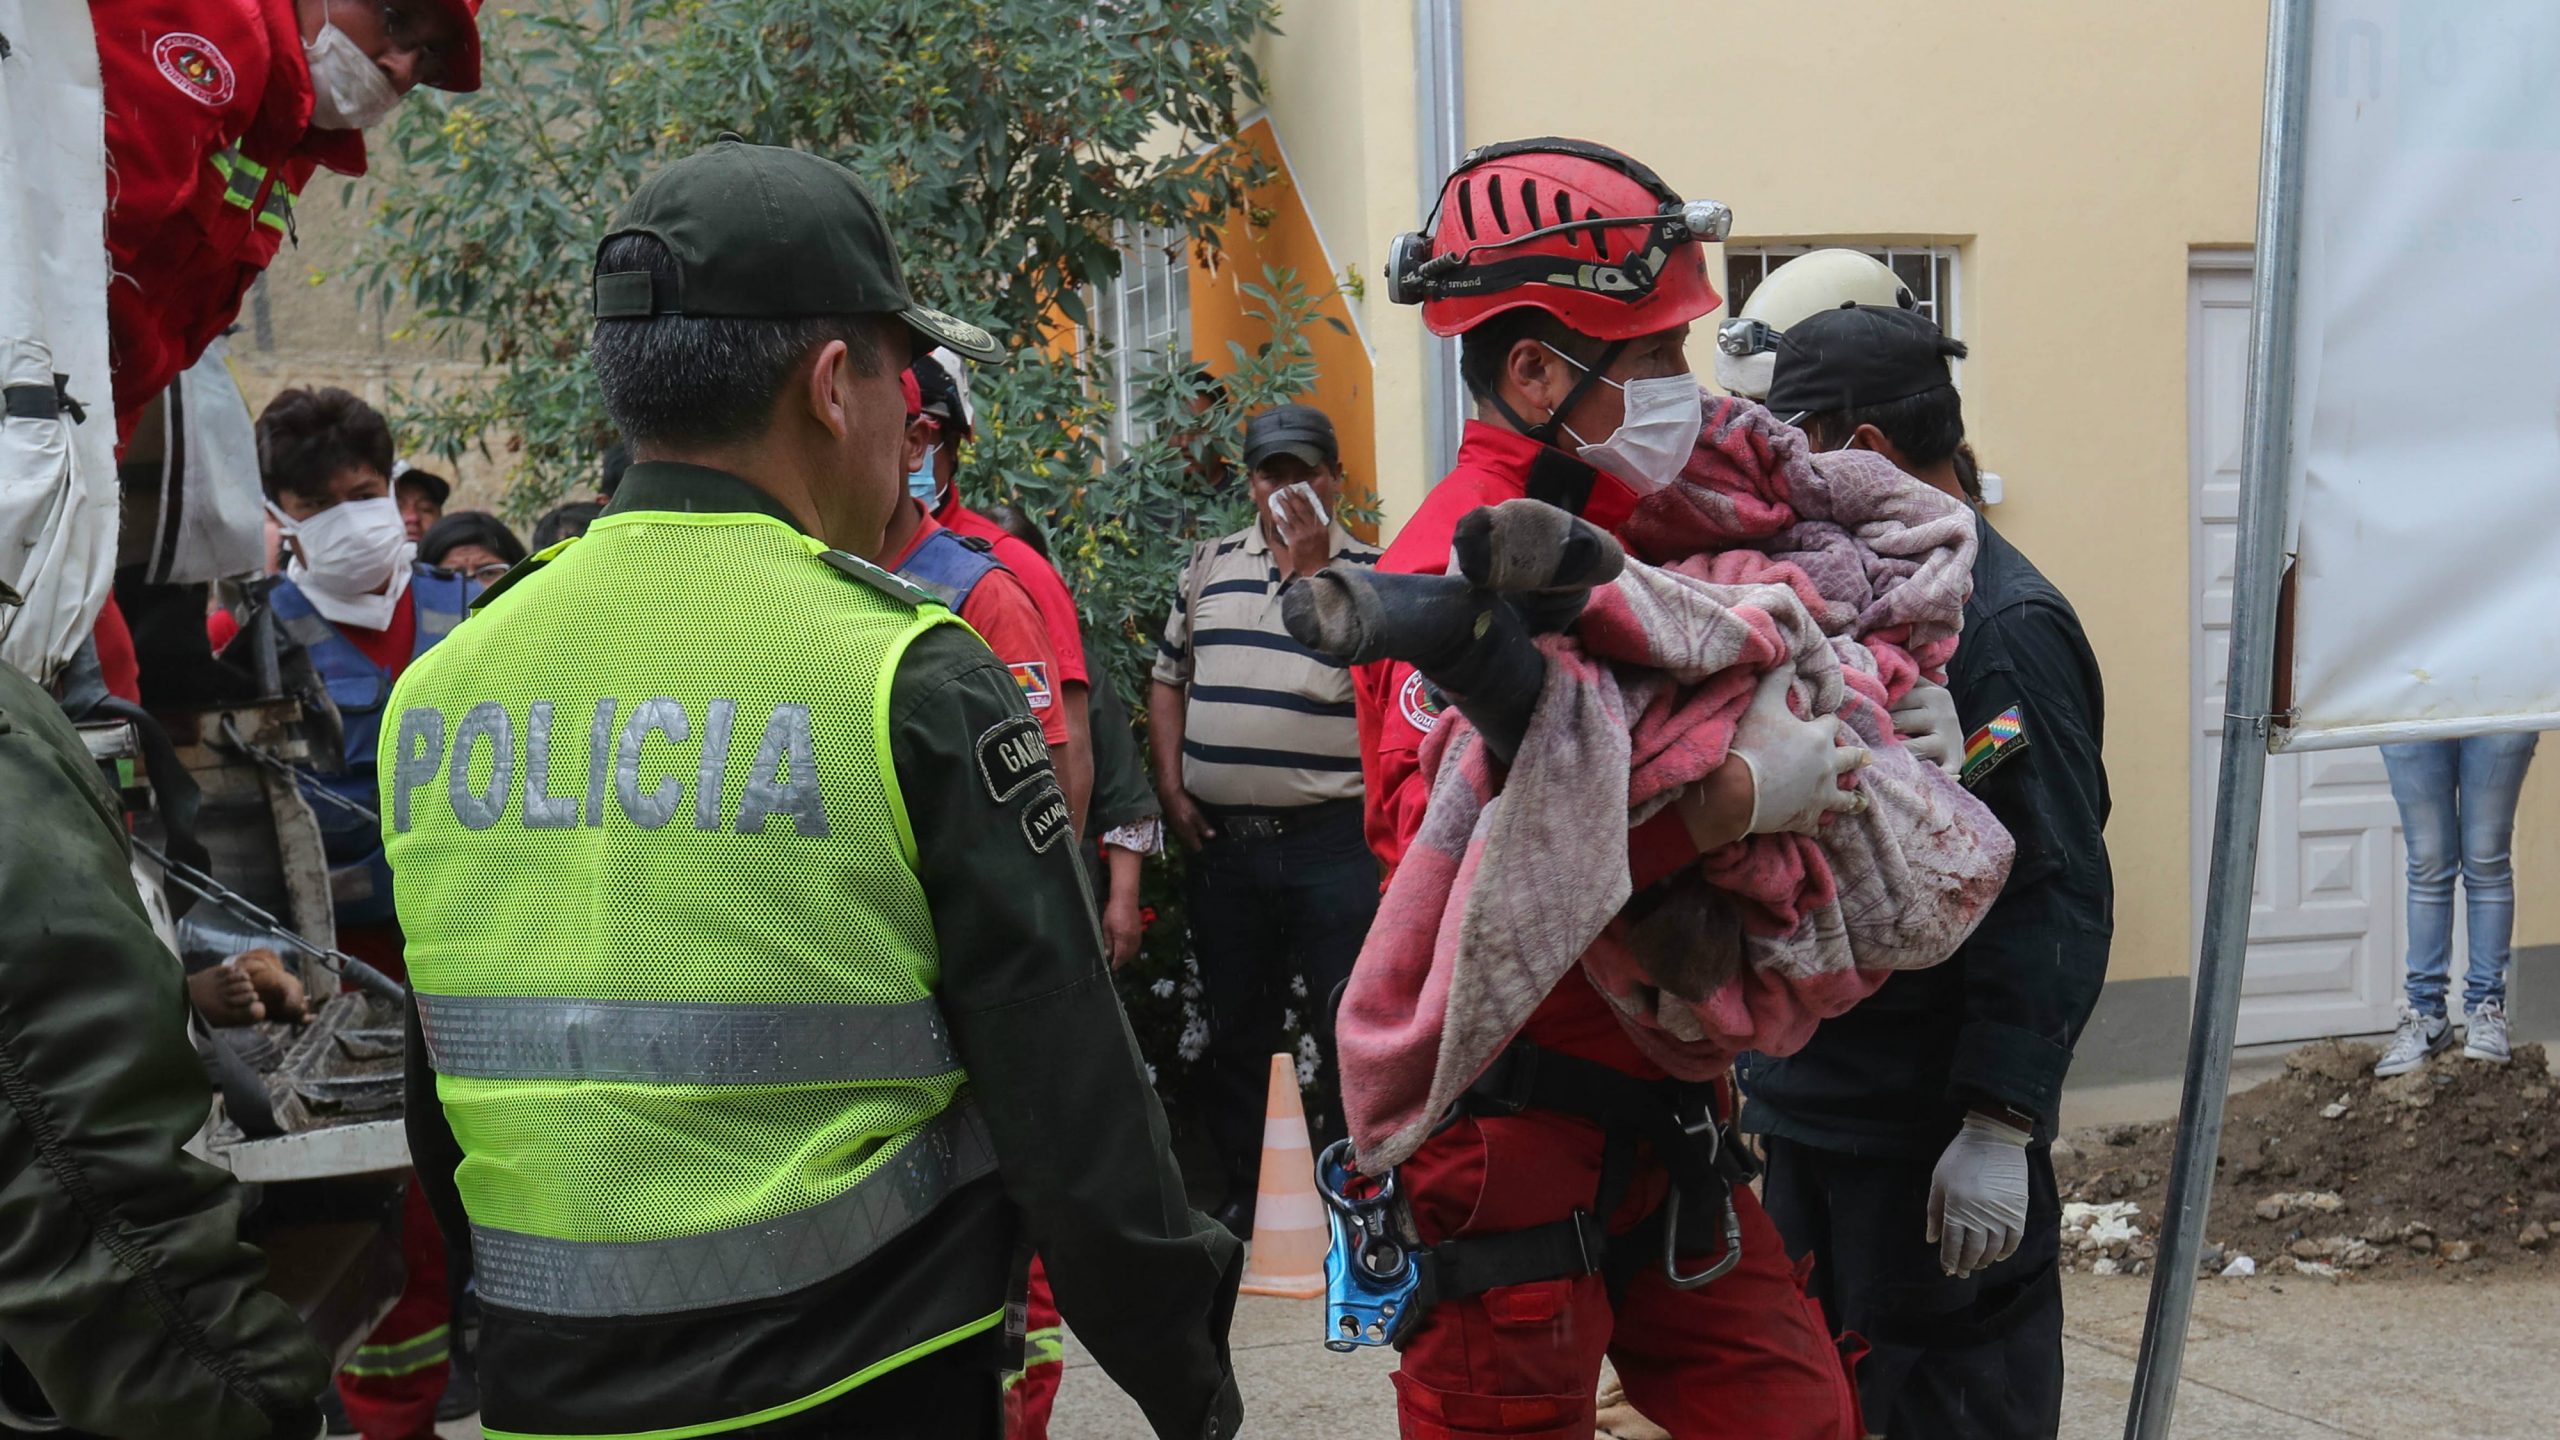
<point x="1978" y="1196"/>
<point x="1796" y="764"/>
<point x="1926" y="721"/>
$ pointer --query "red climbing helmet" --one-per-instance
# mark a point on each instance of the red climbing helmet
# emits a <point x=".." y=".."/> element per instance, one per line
<point x="1565" y="226"/>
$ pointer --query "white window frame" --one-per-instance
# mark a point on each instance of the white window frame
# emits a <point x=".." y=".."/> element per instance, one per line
<point x="1143" y="312"/>
<point x="1946" y="309"/>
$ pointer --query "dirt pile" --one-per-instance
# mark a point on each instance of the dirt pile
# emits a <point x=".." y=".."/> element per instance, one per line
<point x="2327" y="1171"/>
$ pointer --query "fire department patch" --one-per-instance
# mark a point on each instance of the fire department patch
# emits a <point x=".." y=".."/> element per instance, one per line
<point x="1419" y="702"/>
<point x="1032" y="676"/>
<point x="192" y="64"/>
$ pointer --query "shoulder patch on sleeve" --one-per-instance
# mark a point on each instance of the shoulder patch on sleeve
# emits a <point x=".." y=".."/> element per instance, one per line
<point x="891" y="585"/>
<point x="1031" y="677"/>
<point x="1046" y="820"/>
<point x="1012" y="757"/>
<point x="1988" y="748"/>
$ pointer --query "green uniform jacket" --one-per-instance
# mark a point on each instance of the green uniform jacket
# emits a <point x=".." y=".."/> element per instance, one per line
<point x="1084" y="1170"/>
<point x="124" y="1285"/>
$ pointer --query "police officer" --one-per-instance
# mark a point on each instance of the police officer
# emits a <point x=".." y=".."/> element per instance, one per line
<point x="1909" y="1143"/>
<point x="761" y="1020"/>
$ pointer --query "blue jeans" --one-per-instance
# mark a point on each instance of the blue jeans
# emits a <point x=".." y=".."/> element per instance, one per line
<point x="2458" y="811"/>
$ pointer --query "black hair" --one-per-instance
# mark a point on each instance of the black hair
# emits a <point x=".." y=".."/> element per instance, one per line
<point x="1020" y="527"/>
<point x="1969" y="472"/>
<point x="689" y="380"/>
<point x="470" y="527"/>
<point x="1927" y="427"/>
<point x="1483" y="351"/>
<point x="561" y="522"/>
<point x="307" y="438"/>
<point x="617" y="458"/>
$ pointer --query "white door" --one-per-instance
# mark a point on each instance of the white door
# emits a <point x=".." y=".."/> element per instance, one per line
<point x="2325" y="921"/>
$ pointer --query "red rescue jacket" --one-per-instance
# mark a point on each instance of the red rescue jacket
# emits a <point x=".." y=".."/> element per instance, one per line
<point x="1395" y="710"/>
<point x="209" y="140"/>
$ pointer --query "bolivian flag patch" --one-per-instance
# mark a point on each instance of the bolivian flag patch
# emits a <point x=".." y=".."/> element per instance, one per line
<point x="1989" y="747"/>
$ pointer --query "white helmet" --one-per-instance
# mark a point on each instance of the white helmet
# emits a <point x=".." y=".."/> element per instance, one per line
<point x="1747" y="345"/>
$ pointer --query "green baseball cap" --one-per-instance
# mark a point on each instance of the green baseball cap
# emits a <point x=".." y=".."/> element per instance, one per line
<point x="761" y="232"/>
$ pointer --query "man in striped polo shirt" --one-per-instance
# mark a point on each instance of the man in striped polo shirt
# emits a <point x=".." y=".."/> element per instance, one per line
<point x="1257" y="758"/>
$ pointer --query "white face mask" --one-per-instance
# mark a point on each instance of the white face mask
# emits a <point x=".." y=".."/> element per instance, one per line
<point x="348" y="91"/>
<point x="346" y="553"/>
<point x="1653" y="442"/>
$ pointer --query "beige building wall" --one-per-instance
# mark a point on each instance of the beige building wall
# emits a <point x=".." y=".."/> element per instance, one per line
<point x="2076" y="154"/>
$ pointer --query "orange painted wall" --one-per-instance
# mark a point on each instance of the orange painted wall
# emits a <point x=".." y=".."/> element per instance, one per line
<point x="1287" y="240"/>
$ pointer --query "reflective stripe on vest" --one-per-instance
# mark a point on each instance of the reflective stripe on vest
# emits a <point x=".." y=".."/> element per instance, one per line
<point x="600" y="1279"/>
<point x="673" y="1042"/>
<point x="948" y="568"/>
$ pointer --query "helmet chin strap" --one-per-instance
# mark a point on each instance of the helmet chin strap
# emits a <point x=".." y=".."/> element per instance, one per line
<point x="1545" y="431"/>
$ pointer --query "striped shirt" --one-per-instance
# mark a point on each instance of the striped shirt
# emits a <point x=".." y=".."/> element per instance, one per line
<point x="1267" y="722"/>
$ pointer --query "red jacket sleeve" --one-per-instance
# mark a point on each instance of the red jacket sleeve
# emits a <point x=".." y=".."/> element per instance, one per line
<point x="1394" y="792"/>
<point x="1000" y="610"/>
<point x="1056" y="605"/>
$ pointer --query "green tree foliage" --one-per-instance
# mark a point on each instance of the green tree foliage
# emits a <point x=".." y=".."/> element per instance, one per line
<point x="1010" y="142"/>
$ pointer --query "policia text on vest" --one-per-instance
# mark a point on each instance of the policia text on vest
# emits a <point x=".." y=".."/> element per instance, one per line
<point x="648" y="782"/>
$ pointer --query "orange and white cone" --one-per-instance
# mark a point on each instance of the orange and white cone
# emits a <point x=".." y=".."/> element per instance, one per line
<point x="1289" y="1229"/>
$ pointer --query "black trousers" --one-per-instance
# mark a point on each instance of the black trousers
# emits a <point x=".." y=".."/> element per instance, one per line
<point x="1264" y="907"/>
<point x="1978" y="1358"/>
<point x="954" y="1394"/>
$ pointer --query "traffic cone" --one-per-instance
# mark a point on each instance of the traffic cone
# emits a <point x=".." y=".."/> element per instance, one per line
<point x="1289" y="1230"/>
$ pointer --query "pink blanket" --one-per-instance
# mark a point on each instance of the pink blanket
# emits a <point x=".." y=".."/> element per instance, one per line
<point x="1764" y="555"/>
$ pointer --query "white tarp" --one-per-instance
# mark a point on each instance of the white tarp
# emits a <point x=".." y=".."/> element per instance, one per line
<point x="2427" y="422"/>
<point x="57" y="478"/>
<point x="211" y="523"/>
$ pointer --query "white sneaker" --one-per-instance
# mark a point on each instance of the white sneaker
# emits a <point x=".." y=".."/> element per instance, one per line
<point x="2488" y="1033"/>
<point x="2418" y="1037"/>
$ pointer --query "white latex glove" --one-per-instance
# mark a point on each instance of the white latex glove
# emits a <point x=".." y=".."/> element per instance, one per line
<point x="1978" y="1196"/>
<point x="1795" y="764"/>
<point x="1926" y="721"/>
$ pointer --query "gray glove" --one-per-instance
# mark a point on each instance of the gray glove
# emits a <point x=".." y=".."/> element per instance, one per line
<point x="1796" y="764"/>
<point x="1978" y="1196"/>
<point x="1926" y="721"/>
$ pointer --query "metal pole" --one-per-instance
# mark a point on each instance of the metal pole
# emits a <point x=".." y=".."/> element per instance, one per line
<point x="1440" y="99"/>
<point x="2267" y="465"/>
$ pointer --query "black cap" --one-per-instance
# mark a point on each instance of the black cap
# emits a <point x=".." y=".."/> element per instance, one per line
<point x="760" y="232"/>
<point x="1300" y="430"/>
<point x="438" y="489"/>
<point x="1857" y="356"/>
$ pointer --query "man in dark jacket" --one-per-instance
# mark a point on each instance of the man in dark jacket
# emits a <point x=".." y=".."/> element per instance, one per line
<point x="1910" y="1143"/>
<point x="125" y="1291"/>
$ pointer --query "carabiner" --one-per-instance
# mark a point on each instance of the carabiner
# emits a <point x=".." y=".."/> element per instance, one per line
<point x="1713" y="1132"/>
<point x="1370" y="1276"/>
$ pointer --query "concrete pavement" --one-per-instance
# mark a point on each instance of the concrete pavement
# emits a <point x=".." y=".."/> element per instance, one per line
<point x="2268" y="1359"/>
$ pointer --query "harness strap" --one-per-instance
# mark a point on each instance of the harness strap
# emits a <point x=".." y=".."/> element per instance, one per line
<point x="1702" y="1165"/>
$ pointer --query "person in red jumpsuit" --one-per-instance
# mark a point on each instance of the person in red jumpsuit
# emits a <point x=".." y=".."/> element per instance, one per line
<point x="1571" y="275"/>
<point x="218" y="113"/>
